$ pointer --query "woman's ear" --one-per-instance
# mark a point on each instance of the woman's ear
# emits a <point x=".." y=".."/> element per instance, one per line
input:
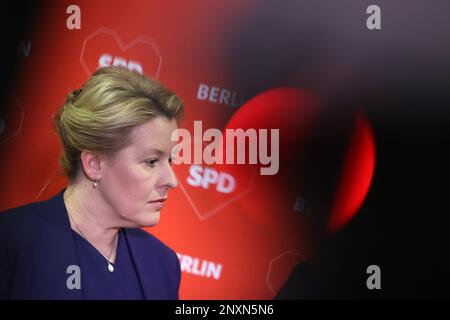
<point x="92" y="164"/>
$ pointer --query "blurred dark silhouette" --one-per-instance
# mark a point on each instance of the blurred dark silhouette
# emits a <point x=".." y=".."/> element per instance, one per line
<point x="399" y="76"/>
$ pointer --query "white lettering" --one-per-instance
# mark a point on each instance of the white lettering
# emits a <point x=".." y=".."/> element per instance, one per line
<point x="74" y="20"/>
<point x="198" y="267"/>
<point x="213" y="155"/>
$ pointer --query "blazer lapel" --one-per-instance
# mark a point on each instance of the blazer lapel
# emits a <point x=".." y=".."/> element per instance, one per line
<point x="137" y="252"/>
<point x="57" y="251"/>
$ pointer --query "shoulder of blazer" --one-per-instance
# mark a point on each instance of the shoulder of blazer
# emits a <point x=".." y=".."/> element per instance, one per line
<point x="22" y="224"/>
<point x="20" y="220"/>
<point x="149" y="241"/>
<point x="150" y="253"/>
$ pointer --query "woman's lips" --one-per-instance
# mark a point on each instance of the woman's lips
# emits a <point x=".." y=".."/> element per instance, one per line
<point x="158" y="203"/>
<point x="158" y="200"/>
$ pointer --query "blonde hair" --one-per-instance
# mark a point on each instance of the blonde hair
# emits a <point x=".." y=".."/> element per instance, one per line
<point x="100" y="115"/>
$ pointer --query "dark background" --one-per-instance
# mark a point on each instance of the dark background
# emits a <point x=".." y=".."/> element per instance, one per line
<point x="399" y="76"/>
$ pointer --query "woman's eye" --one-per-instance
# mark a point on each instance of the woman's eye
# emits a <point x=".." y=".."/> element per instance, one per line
<point x="152" y="162"/>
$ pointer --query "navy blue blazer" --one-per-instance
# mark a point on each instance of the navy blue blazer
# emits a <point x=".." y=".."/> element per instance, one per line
<point x="37" y="247"/>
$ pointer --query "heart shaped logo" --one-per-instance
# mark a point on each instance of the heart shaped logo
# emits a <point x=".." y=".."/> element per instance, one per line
<point x="104" y="48"/>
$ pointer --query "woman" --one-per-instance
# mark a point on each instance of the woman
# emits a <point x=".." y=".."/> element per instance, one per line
<point x="86" y="241"/>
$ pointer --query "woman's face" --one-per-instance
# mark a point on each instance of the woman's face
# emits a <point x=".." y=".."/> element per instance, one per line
<point x="141" y="173"/>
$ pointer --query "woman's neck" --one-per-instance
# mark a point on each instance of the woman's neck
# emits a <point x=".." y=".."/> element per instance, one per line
<point x="88" y="220"/>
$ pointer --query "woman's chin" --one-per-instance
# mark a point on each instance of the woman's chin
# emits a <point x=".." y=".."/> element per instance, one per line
<point x="150" y="220"/>
<point x="143" y="219"/>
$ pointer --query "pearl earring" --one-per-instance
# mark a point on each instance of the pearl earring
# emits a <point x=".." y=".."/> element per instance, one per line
<point x="95" y="184"/>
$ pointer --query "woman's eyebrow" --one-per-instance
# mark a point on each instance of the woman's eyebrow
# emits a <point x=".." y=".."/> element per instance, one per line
<point x="153" y="151"/>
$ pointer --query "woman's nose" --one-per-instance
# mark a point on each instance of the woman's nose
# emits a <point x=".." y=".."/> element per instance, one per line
<point x="169" y="178"/>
